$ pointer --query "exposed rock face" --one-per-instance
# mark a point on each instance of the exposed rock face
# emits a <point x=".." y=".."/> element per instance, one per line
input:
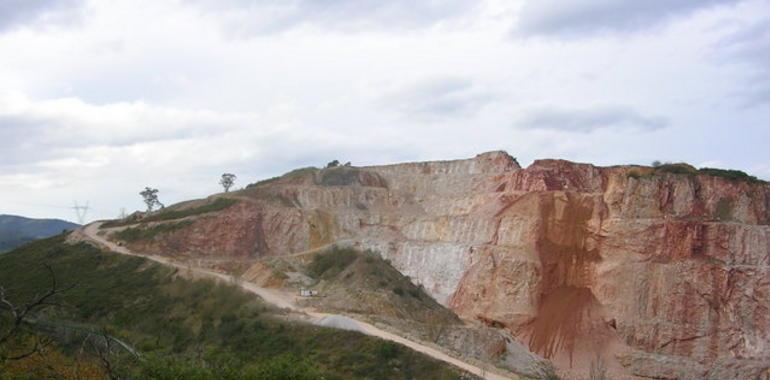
<point x="564" y="255"/>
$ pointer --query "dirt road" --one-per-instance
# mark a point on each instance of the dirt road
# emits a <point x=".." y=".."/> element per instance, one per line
<point x="286" y="301"/>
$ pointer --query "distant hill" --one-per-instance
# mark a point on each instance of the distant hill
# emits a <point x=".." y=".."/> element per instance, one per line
<point x="17" y="230"/>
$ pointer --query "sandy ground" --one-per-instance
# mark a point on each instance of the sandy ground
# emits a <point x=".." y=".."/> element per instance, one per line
<point x="285" y="300"/>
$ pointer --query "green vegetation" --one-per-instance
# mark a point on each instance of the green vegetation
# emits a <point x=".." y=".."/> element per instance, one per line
<point x="296" y="173"/>
<point x="183" y="329"/>
<point x="133" y="234"/>
<point x="682" y="168"/>
<point x="676" y="168"/>
<point x="734" y="175"/>
<point x="171" y="214"/>
<point x="370" y="285"/>
<point x="331" y="263"/>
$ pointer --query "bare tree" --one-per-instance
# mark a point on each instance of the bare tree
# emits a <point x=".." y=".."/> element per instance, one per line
<point x="21" y="317"/>
<point x="150" y="197"/>
<point x="227" y="181"/>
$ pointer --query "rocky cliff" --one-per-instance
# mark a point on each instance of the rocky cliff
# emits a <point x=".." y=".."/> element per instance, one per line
<point x="665" y="272"/>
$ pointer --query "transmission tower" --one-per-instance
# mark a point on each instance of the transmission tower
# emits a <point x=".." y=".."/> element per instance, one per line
<point x="81" y="211"/>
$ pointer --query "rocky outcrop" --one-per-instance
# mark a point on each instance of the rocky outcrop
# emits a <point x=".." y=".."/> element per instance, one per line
<point x="570" y="258"/>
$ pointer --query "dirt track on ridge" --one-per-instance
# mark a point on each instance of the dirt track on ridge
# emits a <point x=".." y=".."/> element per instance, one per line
<point x="286" y="301"/>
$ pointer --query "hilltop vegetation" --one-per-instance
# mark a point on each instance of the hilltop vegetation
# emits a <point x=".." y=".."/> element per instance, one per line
<point x="173" y="213"/>
<point x="182" y="329"/>
<point x="683" y="168"/>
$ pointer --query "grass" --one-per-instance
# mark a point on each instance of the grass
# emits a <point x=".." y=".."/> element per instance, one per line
<point x="171" y="214"/>
<point x="133" y="234"/>
<point x="195" y="329"/>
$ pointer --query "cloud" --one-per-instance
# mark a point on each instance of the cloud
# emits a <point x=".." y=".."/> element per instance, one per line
<point x="584" y="120"/>
<point x="248" y="17"/>
<point x="31" y="131"/>
<point x="438" y="98"/>
<point x="14" y="13"/>
<point x="577" y="17"/>
<point x="749" y="45"/>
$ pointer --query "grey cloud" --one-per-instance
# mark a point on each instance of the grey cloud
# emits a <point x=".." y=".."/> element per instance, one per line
<point x="555" y="17"/>
<point x="439" y="98"/>
<point x="750" y="46"/>
<point x="45" y="130"/>
<point x="14" y="13"/>
<point x="586" y="120"/>
<point x="271" y="16"/>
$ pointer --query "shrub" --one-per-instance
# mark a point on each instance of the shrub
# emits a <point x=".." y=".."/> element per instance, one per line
<point x="196" y="329"/>
<point x="677" y="168"/>
<point x="296" y="173"/>
<point x="284" y="367"/>
<point x="331" y="262"/>
<point x="387" y="350"/>
<point x="733" y="175"/>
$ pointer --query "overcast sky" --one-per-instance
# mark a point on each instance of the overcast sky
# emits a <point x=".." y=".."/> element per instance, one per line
<point x="101" y="98"/>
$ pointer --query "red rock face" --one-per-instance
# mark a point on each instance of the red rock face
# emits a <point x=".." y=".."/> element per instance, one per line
<point x="567" y="256"/>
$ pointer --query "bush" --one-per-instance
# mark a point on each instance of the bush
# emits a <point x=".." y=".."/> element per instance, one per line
<point x="387" y="350"/>
<point x="331" y="262"/>
<point x="296" y="173"/>
<point x="677" y="168"/>
<point x="197" y="329"/>
<point x="284" y="367"/>
<point x="687" y="169"/>
<point x="733" y="175"/>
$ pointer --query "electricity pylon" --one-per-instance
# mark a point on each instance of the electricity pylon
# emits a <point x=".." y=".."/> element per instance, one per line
<point x="81" y="212"/>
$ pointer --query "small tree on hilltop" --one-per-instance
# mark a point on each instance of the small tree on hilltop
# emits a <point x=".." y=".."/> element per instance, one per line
<point x="227" y="181"/>
<point x="333" y="164"/>
<point x="150" y="197"/>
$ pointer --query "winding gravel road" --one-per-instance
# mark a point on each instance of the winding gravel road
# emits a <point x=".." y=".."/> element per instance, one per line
<point x="285" y="300"/>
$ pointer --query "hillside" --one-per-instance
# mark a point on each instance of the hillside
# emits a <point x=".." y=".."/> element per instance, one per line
<point x="17" y="230"/>
<point x="180" y="327"/>
<point x="658" y="271"/>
